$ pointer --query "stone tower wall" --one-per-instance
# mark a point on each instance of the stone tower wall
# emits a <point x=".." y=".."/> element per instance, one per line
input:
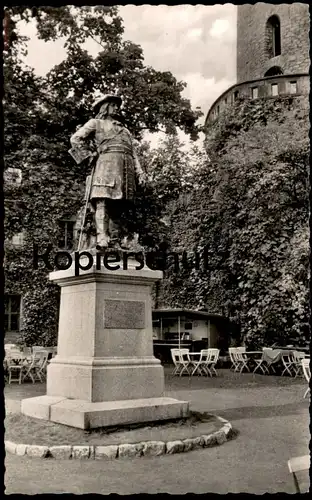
<point x="253" y="57"/>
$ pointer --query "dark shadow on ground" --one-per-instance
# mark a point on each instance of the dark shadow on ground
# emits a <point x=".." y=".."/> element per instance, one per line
<point x="227" y="379"/>
<point x="254" y="412"/>
<point x="18" y="392"/>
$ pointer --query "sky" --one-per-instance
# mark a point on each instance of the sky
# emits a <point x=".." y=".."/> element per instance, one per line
<point x="196" y="43"/>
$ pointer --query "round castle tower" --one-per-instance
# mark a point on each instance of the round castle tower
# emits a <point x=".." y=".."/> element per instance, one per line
<point x="272" y="53"/>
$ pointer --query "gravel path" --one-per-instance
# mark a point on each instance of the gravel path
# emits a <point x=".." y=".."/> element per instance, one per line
<point x="273" y="423"/>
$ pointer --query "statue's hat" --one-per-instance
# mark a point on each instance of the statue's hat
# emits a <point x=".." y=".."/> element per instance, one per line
<point x="106" y="98"/>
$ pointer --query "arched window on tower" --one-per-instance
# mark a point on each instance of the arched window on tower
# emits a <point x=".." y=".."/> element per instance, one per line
<point x="274" y="71"/>
<point x="273" y="36"/>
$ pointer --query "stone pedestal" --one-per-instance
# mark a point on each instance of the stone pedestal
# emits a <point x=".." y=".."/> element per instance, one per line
<point x="105" y="372"/>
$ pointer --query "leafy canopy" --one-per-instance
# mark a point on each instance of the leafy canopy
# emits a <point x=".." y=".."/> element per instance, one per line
<point x="41" y="113"/>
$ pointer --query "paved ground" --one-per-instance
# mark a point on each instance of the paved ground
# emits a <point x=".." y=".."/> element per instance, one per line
<point x="269" y="412"/>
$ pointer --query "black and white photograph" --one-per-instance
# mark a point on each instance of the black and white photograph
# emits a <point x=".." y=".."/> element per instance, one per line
<point x="156" y="254"/>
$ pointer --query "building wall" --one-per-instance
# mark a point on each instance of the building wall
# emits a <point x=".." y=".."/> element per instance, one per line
<point x="264" y="87"/>
<point x="252" y="54"/>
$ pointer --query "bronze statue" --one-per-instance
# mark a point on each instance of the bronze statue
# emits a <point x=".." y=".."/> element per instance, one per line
<point x="111" y="185"/>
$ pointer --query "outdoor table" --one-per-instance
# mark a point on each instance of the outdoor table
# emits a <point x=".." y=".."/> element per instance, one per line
<point x="274" y="356"/>
<point x="16" y="358"/>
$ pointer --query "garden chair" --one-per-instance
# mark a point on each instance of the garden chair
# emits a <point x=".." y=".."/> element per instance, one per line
<point x="36" y="369"/>
<point x="297" y="357"/>
<point x="241" y="361"/>
<point x="262" y="364"/>
<point x="185" y="361"/>
<point x="27" y="351"/>
<point x="213" y="356"/>
<point x="296" y="465"/>
<point x="42" y="362"/>
<point x="307" y="373"/>
<point x="30" y="368"/>
<point x="232" y="353"/>
<point x="270" y="366"/>
<point x="288" y="362"/>
<point x="176" y="361"/>
<point x="15" y="366"/>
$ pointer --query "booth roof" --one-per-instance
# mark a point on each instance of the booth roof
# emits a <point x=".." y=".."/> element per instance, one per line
<point x="186" y="312"/>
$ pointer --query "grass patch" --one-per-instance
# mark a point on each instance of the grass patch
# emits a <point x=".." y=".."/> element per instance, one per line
<point x="28" y="430"/>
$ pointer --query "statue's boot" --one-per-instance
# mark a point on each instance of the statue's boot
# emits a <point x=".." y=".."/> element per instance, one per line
<point x="101" y="223"/>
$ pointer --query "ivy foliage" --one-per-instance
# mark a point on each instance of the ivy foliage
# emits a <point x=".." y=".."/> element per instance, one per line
<point x="251" y="212"/>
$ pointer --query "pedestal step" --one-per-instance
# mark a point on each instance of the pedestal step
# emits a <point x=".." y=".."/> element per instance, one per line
<point x="86" y="415"/>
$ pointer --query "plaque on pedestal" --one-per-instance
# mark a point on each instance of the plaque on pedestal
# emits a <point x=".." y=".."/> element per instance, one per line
<point x="105" y="372"/>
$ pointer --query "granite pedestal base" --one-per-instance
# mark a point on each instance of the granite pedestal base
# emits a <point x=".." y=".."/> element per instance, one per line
<point x="86" y="415"/>
<point x="105" y="372"/>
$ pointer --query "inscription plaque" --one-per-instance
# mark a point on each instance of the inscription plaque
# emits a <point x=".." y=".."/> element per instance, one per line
<point x="124" y="314"/>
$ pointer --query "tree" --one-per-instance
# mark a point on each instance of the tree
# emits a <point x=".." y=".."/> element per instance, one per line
<point x="40" y="114"/>
<point x="152" y="99"/>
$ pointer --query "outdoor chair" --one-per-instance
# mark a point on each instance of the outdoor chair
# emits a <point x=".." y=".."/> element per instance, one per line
<point x="241" y="361"/>
<point x="297" y="357"/>
<point x="15" y="366"/>
<point x="176" y="361"/>
<point x="307" y="373"/>
<point x="42" y="362"/>
<point x="296" y="465"/>
<point x="186" y="362"/>
<point x="270" y="366"/>
<point x="232" y="353"/>
<point x="232" y="358"/>
<point x="27" y="351"/>
<point x="264" y="365"/>
<point x="36" y="369"/>
<point x="288" y="362"/>
<point x="212" y="359"/>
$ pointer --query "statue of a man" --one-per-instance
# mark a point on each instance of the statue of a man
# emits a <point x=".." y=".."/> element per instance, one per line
<point x="113" y="180"/>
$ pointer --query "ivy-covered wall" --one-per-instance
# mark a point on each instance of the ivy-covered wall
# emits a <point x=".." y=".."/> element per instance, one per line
<point x="47" y="194"/>
<point x="251" y="213"/>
